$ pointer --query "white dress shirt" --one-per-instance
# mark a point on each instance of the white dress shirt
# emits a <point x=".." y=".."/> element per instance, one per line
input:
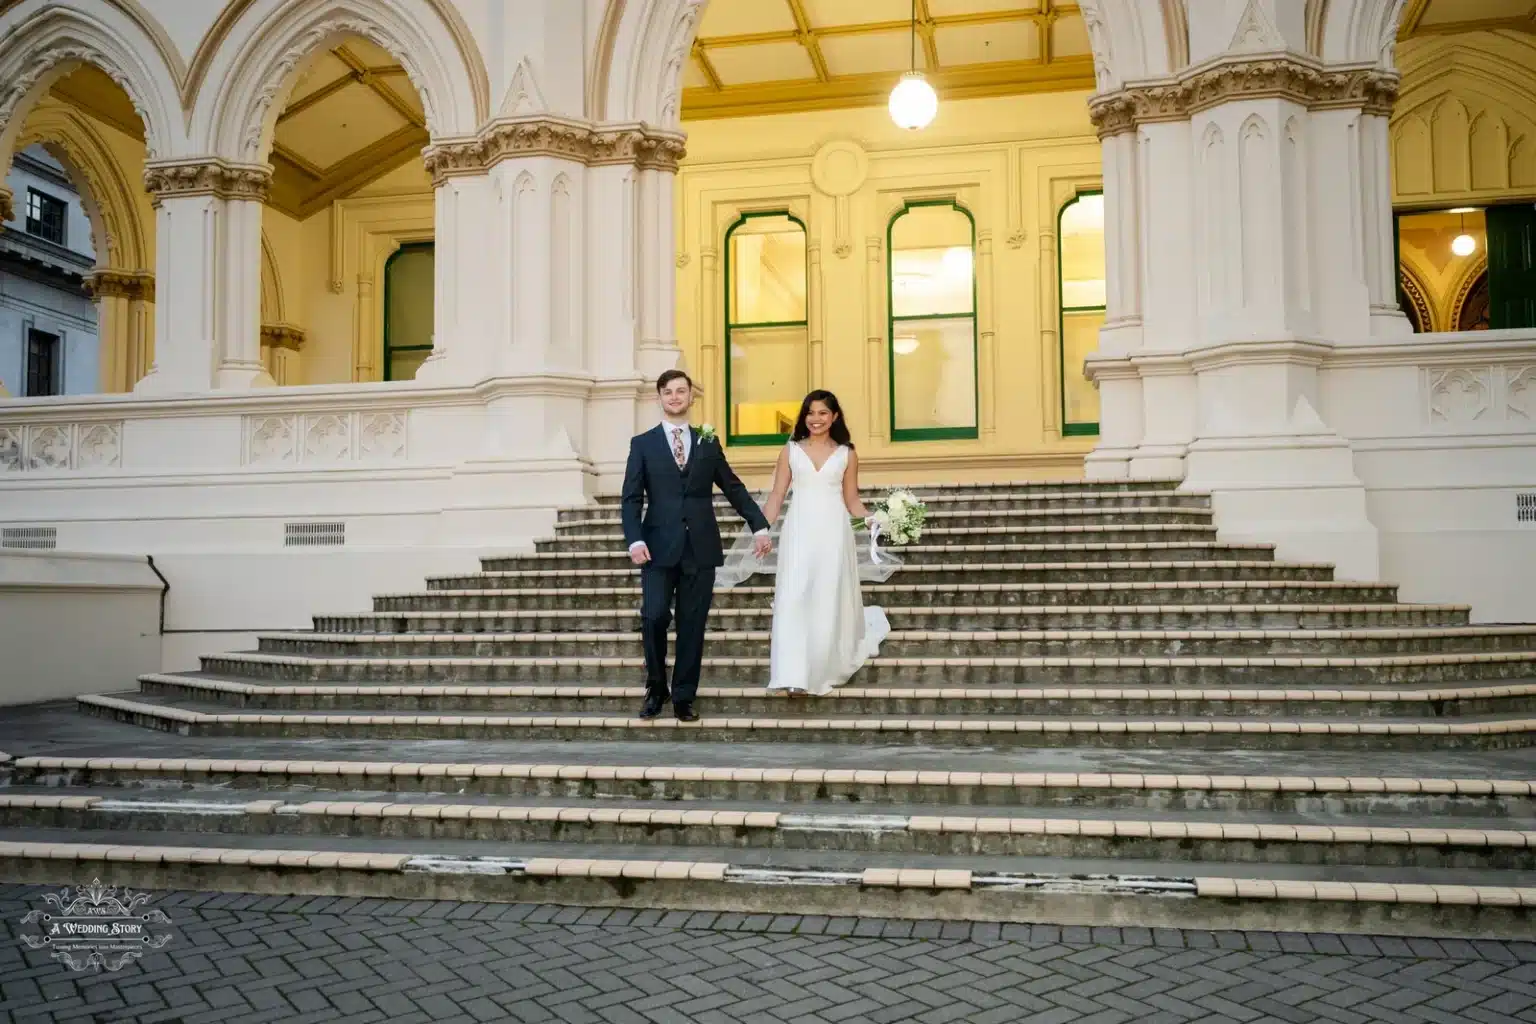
<point x="683" y="430"/>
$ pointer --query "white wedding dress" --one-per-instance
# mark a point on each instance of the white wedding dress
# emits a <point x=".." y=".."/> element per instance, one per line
<point x="822" y="633"/>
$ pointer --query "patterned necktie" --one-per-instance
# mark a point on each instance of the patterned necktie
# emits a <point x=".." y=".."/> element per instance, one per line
<point x="677" y="447"/>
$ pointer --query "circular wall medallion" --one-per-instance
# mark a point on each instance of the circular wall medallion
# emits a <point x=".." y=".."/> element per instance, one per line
<point x="839" y="168"/>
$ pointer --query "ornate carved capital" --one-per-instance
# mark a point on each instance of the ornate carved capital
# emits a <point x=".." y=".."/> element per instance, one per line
<point x="207" y="178"/>
<point x="566" y="140"/>
<point x="120" y="284"/>
<point x="1368" y="88"/>
<point x="7" y="204"/>
<point x="282" y="336"/>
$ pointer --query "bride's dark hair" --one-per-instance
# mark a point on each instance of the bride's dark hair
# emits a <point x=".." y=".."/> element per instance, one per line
<point x="839" y="430"/>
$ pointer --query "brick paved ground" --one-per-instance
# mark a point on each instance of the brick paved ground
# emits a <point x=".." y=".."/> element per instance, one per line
<point x="240" y="958"/>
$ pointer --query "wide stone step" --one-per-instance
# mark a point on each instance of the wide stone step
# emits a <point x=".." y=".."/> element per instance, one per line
<point x="1496" y="799"/>
<point x="959" y="617"/>
<point x="923" y="555"/>
<point x="1037" y="731"/>
<point x="1076" y="892"/>
<point x="1286" y="671"/>
<point x="949" y="538"/>
<point x="972" y="519"/>
<point x="642" y="826"/>
<point x="933" y="595"/>
<point x="859" y="701"/>
<point x="994" y="572"/>
<point x="978" y="501"/>
<point x="1037" y="488"/>
<point x="918" y="644"/>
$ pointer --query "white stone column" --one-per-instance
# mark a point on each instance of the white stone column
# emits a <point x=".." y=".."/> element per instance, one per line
<point x="208" y="276"/>
<point x="657" y="163"/>
<point x="1263" y="231"/>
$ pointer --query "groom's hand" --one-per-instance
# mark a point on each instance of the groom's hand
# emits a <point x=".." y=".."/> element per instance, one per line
<point x="762" y="545"/>
<point x="639" y="553"/>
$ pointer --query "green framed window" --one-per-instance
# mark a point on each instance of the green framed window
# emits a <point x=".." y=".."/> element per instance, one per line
<point x="767" y="346"/>
<point x="1081" y="295"/>
<point x="407" y="310"/>
<point x="931" y="337"/>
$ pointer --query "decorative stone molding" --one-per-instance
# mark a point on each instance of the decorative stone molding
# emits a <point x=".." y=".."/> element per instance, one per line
<point x="207" y="178"/>
<point x="7" y="204"/>
<point x="557" y="137"/>
<point x="326" y="438"/>
<point x="1275" y="77"/>
<point x="120" y="284"/>
<point x="60" y="446"/>
<point x="282" y="335"/>
<point x="39" y="63"/>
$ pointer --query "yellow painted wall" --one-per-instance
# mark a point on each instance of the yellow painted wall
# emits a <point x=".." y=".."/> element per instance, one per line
<point x="1012" y="162"/>
<point x="1464" y="129"/>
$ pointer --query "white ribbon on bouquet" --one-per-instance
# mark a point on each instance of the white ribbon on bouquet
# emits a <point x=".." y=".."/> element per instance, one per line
<point x="874" y="540"/>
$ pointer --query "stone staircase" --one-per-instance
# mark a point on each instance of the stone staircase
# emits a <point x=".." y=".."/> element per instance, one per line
<point x="1090" y="710"/>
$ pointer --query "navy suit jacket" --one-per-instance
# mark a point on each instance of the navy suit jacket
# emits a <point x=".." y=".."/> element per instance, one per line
<point x="673" y="509"/>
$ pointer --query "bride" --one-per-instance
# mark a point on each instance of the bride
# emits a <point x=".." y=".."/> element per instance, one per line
<point x="822" y="633"/>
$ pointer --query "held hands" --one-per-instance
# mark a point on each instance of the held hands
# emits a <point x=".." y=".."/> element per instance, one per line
<point x="762" y="545"/>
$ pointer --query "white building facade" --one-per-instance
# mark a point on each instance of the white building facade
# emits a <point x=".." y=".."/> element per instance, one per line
<point x="1253" y="344"/>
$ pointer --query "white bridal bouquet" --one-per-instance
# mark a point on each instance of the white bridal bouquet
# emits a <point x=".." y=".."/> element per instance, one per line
<point x="898" y="518"/>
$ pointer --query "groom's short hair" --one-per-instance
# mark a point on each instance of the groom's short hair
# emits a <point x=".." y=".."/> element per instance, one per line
<point x="669" y="377"/>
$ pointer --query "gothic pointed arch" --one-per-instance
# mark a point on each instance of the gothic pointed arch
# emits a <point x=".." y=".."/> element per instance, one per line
<point x="45" y="39"/>
<point x="640" y="77"/>
<point x="1357" y="31"/>
<point x="122" y="227"/>
<point x="254" y="68"/>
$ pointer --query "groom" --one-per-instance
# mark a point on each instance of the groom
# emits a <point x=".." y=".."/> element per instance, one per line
<point x="672" y="474"/>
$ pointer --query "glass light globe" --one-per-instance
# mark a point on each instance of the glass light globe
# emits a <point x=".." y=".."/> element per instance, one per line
<point x="1464" y="245"/>
<point x="913" y="102"/>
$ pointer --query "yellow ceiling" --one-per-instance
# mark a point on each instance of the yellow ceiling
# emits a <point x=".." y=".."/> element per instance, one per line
<point x="352" y="117"/>
<point x="773" y="56"/>
<point x="1441" y="17"/>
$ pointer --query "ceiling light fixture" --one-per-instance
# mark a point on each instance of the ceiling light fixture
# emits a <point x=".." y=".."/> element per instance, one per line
<point x="913" y="102"/>
<point x="1463" y="244"/>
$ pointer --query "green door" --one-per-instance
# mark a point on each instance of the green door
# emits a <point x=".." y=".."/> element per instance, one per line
<point x="1512" y="266"/>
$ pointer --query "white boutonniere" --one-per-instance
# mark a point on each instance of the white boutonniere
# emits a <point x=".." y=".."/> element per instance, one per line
<point x="706" y="433"/>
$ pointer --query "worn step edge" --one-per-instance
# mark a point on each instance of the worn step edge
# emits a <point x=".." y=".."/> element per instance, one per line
<point x="939" y="635"/>
<point x="1151" y="545"/>
<point x="954" y="894"/>
<point x="950" y="824"/>
<point x="1385" y="785"/>
<point x="1355" y="695"/>
<point x="1023" y="611"/>
<point x="1029" y="661"/>
<point x="1101" y="725"/>
<point x="948" y="588"/>
<point x="973" y="567"/>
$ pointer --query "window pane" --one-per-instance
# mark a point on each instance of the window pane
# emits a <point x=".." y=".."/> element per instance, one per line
<point x="403" y="365"/>
<point x="1079" y="338"/>
<point x="408" y="298"/>
<point x="1082" y="252"/>
<point x="931" y="263"/>
<point x="768" y="379"/>
<point x="767" y="272"/>
<point x="934" y="373"/>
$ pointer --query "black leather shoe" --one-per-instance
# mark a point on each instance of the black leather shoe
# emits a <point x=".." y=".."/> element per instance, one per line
<point x="654" y="702"/>
<point x="684" y="711"/>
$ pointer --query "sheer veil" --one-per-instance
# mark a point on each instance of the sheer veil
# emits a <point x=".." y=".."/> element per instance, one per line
<point x="876" y="562"/>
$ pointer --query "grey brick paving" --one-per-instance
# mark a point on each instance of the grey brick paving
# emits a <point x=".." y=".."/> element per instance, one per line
<point x="242" y="960"/>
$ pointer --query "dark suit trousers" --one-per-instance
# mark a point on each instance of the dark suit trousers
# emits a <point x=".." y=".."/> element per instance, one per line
<point x="693" y="589"/>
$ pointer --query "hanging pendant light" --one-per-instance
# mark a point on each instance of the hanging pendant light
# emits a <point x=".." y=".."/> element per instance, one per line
<point x="913" y="102"/>
<point x="1463" y="244"/>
